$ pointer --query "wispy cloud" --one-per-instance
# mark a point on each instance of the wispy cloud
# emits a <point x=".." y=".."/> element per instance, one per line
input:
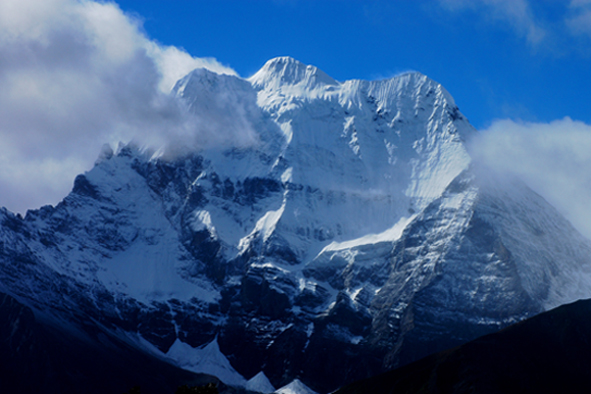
<point x="516" y="13"/>
<point x="579" y="20"/>
<point x="553" y="158"/>
<point x="74" y="75"/>
<point x="556" y="31"/>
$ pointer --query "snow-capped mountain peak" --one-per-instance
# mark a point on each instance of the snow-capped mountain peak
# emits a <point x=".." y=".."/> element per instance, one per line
<point x="286" y="71"/>
<point x="345" y="233"/>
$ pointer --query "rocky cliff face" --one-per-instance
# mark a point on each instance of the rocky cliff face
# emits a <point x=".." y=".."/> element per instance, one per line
<point x="347" y="232"/>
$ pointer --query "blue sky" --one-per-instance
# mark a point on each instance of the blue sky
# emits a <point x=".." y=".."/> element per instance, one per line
<point x="76" y="74"/>
<point x="499" y="58"/>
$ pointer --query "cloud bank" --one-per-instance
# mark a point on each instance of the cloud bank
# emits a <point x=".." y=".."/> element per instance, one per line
<point x="554" y="159"/>
<point x="73" y="76"/>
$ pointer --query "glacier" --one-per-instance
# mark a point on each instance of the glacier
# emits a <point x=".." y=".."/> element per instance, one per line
<point x="350" y="231"/>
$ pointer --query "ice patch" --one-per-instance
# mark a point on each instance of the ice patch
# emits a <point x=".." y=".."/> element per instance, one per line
<point x="287" y="175"/>
<point x="295" y="387"/>
<point x="310" y="330"/>
<point x="207" y="359"/>
<point x="260" y="384"/>
<point x="390" y="235"/>
<point x="202" y="221"/>
<point x="265" y="227"/>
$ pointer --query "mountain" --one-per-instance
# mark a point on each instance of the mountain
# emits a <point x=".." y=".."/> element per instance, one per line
<point x="345" y="232"/>
<point x="41" y="358"/>
<point x="547" y="353"/>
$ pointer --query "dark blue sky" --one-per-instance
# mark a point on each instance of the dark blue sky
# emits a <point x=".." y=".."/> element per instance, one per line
<point x="499" y="59"/>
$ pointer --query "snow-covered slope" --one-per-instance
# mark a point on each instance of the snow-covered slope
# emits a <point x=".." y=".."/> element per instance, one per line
<point x="346" y="231"/>
<point x="482" y="256"/>
<point x="208" y="359"/>
<point x="260" y="384"/>
<point x="295" y="387"/>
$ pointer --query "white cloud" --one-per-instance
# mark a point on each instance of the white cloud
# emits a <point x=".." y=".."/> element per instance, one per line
<point x="174" y="63"/>
<point x="74" y="75"/>
<point x="553" y="158"/>
<point x="517" y="13"/>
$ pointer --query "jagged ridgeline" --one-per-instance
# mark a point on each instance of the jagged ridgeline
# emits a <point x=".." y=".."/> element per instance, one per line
<point x="347" y="233"/>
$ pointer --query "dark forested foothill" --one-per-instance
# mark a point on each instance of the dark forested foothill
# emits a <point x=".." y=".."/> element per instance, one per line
<point x="549" y="353"/>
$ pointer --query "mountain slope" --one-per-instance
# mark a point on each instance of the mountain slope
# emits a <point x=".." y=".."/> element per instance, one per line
<point x="547" y="353"/>
<point x="38" y="357"/>
<point x="348" y="232"/>
<point x="475" y="260"/>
